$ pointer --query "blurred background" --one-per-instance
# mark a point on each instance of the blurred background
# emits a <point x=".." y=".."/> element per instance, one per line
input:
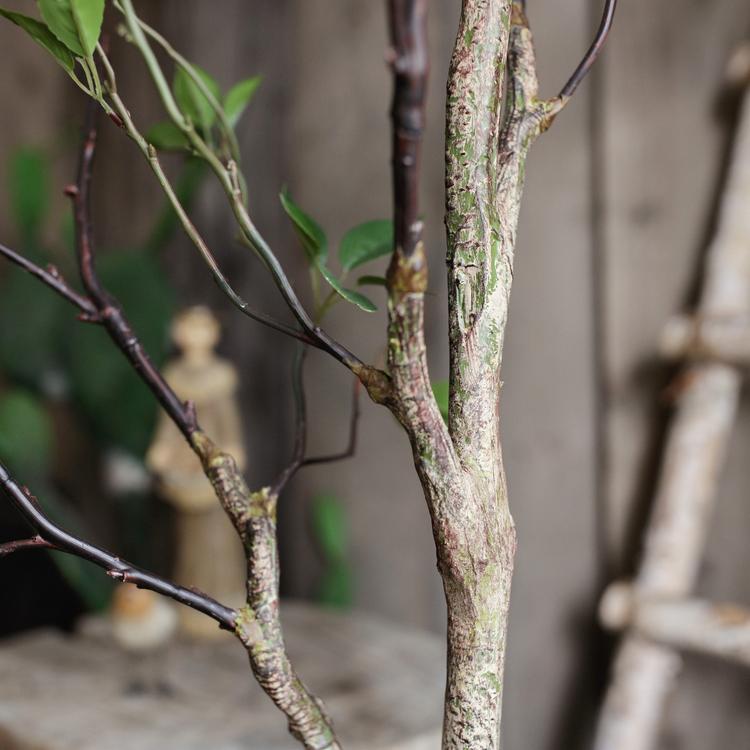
<point x="620" y="203"/>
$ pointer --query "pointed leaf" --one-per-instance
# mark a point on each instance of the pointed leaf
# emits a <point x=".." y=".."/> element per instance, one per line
<point x="349" y="295"/>
<point x="166" y="136"/>
<point x="41" y="34"/>
<point x="28" y="187"/>
<point x="238" y="97"/>
<point x="192" y="101"/>
<point x="76" y="23"/>
<point x="88" y="15"/>
<point x="309" y="231"/>
<point x="366" y="242"/>
<point x="371" y="281"/>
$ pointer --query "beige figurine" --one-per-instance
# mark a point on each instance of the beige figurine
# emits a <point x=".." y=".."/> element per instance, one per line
<point x="209" y="553"/>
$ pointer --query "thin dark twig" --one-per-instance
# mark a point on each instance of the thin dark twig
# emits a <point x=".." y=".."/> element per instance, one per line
<point x="52" y="278"/>
<point x="298" y="458"/>
<point x="593" y="52"/>
<point x="36" y="542"/>
<point x="53" y="536"/>
<point x="300" y="420"/>
<point x="351" y="448"/>
<point x="108" y="310"/>
<point x="410" y="64"/>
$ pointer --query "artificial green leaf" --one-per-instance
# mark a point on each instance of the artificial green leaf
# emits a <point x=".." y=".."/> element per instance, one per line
<point x="441" y="390"/>
<point x="76" y="23"/>
<point x="330" y="527"/>
<point x="28" y="181"/>
<point x="41" y="34"/>
<point x="166" y="136"/>
<point x="349" y="295"/>
<point x="192" y="101"/>
<point x="371" y="281"/>
<point x="313" y="237"/>
<point x="238" y="97"/>
<point x="366" y="242"/>
<point x="88" y="16"/>
<point x="25" y="434"/>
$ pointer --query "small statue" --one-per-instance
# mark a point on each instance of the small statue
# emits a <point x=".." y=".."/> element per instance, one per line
<point x="209" y="553"/>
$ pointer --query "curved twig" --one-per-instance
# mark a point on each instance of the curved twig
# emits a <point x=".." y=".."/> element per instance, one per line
<point x="593" y="52"/>
<point x="52" y="278"/>
<point x="52" y="536"/>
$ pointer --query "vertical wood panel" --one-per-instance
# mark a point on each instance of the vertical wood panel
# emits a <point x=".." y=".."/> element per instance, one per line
<point x="662" y="142"/>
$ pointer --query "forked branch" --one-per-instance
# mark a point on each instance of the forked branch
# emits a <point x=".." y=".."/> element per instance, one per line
<point x="52" y="536"/>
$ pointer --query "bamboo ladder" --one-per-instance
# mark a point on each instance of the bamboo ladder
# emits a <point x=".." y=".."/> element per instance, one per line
<point x="656" y="611"/>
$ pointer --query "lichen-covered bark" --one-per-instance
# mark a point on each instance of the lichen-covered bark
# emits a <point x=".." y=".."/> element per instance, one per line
<point x="258" y="625"/>
<point x="484" y="182"/>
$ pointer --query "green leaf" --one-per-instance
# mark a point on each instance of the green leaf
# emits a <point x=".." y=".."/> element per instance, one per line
<point x="366" y="242"/>
<point x="372" y="281"/>
<point x="41" y="34"/>
<point x="313" y="237"/>
<point x="76" y="23"/>
<point x="28" y="188"/>
<point x="440" y="389"/>
<point x="330" y="527"/>
<point x="25" y="434"/>
<point x="238" y="97"/>
<point x="349" y="295"/>
<point x="166" y="136"/>
<point x="88" y="15"/>
<point x="192" y="101"/>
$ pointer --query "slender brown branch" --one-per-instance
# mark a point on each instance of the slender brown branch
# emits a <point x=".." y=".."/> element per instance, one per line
<point x="108" y="310"/>
<point x="36" y="542"/>
<point x="52" y="278"/>
<point x="52" y="536"/>
<point x="593" y="52"/>
<point x="298" y="460"/>
<point x="351" y="447"/>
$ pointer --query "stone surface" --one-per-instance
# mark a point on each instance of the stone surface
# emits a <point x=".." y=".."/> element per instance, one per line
<point x="382" y="684"/>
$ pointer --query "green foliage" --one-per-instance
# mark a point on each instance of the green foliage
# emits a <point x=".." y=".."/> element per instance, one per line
<point x="311" y="234"/>
<point x="76" y="23"/>
<point x="441" y="390"/>
<point x="192" y="101"/>
<point x="41" y="34"/>
<point x="25" y="434"/>
<point x="166" y="136"/>
<point x="238" y="97"/>
<point x="371" y="281"/>
<point x="366" y="242"/>
<point x="29" y="192"/>
<point x="364" y="303"/>
<point x="331" y="536"/>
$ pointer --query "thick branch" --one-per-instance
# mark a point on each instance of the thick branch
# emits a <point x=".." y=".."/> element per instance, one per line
<point x="52" y="536"/>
